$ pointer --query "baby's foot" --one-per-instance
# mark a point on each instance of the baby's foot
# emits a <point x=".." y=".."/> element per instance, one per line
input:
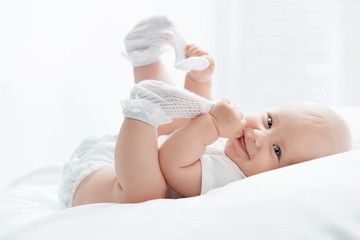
<point x="175" y="102"/>
<point x="151" y="37"/>
<point x="148" y="40"/>
<point x="206" y="68"/>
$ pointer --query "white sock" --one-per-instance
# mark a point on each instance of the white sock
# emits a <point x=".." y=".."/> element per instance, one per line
<point x="145" y="111"/>
<point x="192" y="63"/>
<point x="150" y="38"/>
<point x="175" y="102"/>
<point x="147" y="41"/>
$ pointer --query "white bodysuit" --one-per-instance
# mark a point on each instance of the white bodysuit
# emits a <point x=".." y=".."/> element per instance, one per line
<point x="97" y="152"/>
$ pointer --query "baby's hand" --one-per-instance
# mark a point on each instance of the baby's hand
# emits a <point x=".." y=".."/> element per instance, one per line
<point x="192" y="50"/>
<point x="228" y="119"/>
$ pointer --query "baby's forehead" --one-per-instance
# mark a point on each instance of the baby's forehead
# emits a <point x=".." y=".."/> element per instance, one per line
<point x="300" y="139"/>
<point x="288" y="112"/>
<point x="309" y="111"/>
<point x="292" y="108"/>
<point x="298" y="120"/>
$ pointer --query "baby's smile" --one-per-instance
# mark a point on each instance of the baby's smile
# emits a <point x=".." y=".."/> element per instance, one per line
<point x="243" y="144"/>
<point x="240" y="146"/>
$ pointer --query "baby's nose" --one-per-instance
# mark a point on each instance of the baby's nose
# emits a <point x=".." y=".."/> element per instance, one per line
<point x="258" y="136"/>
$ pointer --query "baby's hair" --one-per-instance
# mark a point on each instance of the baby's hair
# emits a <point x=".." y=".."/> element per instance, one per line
<point x="329" y="124"/>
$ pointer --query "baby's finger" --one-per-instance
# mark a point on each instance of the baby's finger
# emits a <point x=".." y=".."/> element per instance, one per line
<point x="189" y="49"/>
<point x="239" y="110"/>
<point x="198" y="52"/>
<point x="240" y="129"/>
<point x="194" y="50"/>
<point x="188" y="46"/>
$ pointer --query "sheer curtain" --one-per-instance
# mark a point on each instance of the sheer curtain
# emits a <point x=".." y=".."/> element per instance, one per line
<point x="271" y="52"/>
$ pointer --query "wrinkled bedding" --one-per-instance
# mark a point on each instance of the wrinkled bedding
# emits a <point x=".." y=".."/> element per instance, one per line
<point x="319" y="199"/>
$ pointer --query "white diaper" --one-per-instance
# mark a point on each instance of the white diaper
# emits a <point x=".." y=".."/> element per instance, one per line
<point x="92" y="154"/>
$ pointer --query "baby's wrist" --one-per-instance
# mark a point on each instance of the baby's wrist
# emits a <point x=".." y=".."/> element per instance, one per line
<point x="210" y="132"/>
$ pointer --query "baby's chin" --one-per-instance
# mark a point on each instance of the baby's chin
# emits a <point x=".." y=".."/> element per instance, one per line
<point x="231" y="152"/>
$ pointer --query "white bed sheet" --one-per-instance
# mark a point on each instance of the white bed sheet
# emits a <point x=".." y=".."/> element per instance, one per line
<point x="319" y="199"/>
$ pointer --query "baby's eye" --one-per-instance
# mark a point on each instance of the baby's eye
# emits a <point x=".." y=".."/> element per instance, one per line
<point x="269" y="122"/>
<point x="277" y="150"/>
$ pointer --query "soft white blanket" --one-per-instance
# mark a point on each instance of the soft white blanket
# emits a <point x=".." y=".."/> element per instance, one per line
<point x="319" y="199"/>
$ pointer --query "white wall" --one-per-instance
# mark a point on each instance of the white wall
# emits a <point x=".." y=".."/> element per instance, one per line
<point x="278" y="51"/>
<point x="62" y="75"/>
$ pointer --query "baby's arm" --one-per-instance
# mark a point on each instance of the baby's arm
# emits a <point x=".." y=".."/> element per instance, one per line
<point x="180" y="155"/>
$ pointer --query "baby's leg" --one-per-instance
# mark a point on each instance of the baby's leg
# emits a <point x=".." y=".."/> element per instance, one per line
<point x="158" y="71"/>
<point x="199" y="82"/>
<point x="136" y="176"/>
<point x="136" y="162"/>
<point x="153" y="36"/>
<point x="155" y="71"/>
<point x="196" y="81"/>
<point x="145" y="44"/>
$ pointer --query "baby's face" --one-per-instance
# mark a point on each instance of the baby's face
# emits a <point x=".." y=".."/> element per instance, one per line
<point x="274" y="139"/>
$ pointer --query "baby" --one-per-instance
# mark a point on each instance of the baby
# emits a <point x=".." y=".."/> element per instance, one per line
<point x="209" y="145"/>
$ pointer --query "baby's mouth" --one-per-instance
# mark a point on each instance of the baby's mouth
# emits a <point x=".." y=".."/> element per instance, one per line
<point x="243" y="144"/>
